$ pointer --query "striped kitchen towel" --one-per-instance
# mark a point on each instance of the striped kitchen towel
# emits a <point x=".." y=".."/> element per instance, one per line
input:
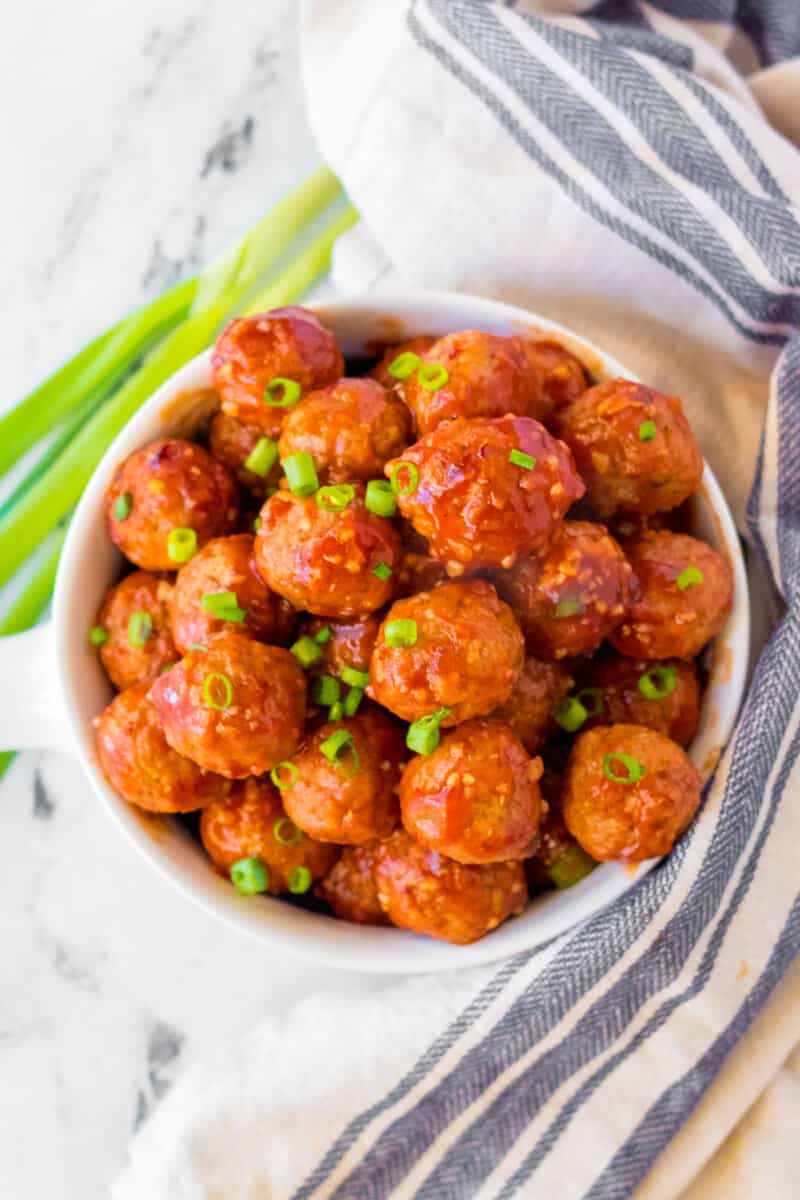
<point x="609" y="165"/>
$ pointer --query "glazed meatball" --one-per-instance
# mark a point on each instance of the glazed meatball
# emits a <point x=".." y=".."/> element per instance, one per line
<point x="416" y="345"/>
<point x="664" y="696"/>
<point x="140" y="764"/>
<point x="284" y="344"/>
<point x="332" y="564"/>
<point x="232" y="443"/>
<point x="683" y="594"/>
<point x="476" y="797"/>
<point x="169" y="485"/>
<point x="425" y="892"/>
<point x="476" y="505"/>
<point x="633" y="446"/>
<point x="533" y="701"/>
<point x="237" y="708"/>
<point x="573" y="596"/>
<point x="350" y="643"/>
<point x="349" y="428"/>
<point x="419" y="573"/>
<point x="251" y="823"/>
<point x="224" y="565"/>
<point x="466" y="655"/>
<point x="482" y="375"/>
<point x="349" y="887"/>
<point x="347" y="795"/>
<point x="135" y="617"/>
<point x="628" y="793"/>
<point x="563" y="377"/>
<point x="558" y="860"/>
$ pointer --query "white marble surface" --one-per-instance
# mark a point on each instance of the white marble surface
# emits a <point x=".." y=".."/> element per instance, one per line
<point x="137" y="140"/>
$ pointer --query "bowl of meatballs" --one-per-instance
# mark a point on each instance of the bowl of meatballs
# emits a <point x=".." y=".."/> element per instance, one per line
<point x="403" y="634"/>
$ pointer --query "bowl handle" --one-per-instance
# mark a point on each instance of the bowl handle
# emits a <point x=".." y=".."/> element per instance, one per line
<point x="32" y="712"/>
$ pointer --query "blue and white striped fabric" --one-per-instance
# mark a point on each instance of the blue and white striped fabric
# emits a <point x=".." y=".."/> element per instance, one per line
<point x="612" y="170"/>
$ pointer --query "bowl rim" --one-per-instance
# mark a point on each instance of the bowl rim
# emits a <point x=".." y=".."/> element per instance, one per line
<point x="271" y="921"/>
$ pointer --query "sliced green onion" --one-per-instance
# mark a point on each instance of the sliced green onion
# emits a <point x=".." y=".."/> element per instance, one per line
<point x="338" y="744"/>
<point x="400" y="632"/>
<point x="432" y="376"/>
<point x="250" y="876"/>
<point x="404" y="365"/>
<point x="213" y="601"/>
<point x="140" y="626"/>
<point x="167" y="667"/>
<point x="214" y="683"/>
<point x="123" y="506"/>
<point x="281" y="392"/>
<point x="262" y="457"/>
<point x="326" y="690"/>
<point x="658" y="681"/>
<point x="286" y="833"/>
<point x="647" y="431"/>
<point x="256" y="524"/>
<point x="336" y="496"/>
<point x="520" y="459"/>
<point x="301" y="474"/>
<point x="181" y="544"/>
<point x="352" y="701"/>
<point x="689" y="577"/>
<point x="424" y="735"/>
<point x="355" y="678"/>
<point x="336" y="711"/>
<point x="383" y="571"/>
<point x="307" y="652"/>
<point x="299" y="880"/>
<point x="278" y="777"/>
<point x="570" y="867"/>
<point x="633" y="770"/>
<point x="98" y="635"/>
<point x="570" y="714"/>
<point x="323" y="635"/>
<point x="196" y="646"/>
<point x="592" y="700"/>
<point x="569" y="607"/>
<point x="413" y="478"/>
<point x="379" y="498"/>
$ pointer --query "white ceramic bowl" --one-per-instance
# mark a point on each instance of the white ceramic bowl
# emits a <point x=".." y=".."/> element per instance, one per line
<point x="60" y="687"/>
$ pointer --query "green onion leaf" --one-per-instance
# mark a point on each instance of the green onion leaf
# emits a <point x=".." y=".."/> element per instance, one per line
<point x="569" y="607"/>
<point x="250" y="876"/>
<point x="570" y="867"/>
<point x="140" y="626"/>
<point x="123" y="506"/>
<point x="423" y="735"/>
<point x="98" y="636"/>
<point x="217" y="691"/>
<point x="326" y="690"/>
<point x="404" y="365"/>
<point x="394" y="478"/>
<point x="335" y="747"/>
<point x="285" y="775"/>
<point x="400" y="632"/>
<point x="336" y="711"/>
<point x="689" y="578"/>
<point x="647" y="431"/>
<point x="196" y="646"/>
<point x="323" y="635"/>
<point x="520" y="459"/>
<point x="379" y="498"/>
<point x="307" y="652"/>
<point x="262" y="457"/>
<point x="658" y="681"/>
<point x="299" y="880"/>
<point x="212" y="601"/>
<point x="281" y="392"/>
<point x="592" y="700"/>
<point x="256" y="524"/>
<point x="633" y="770"/>
<point x="355" y="678"/>
<point x="181" y="545"/>
<point x="432" y="376"/>
<point x="570" y="714"/>
<point x="336" y="496"/>
<point x="352" y="700"/>
<point x="301" y="474"/>
<point x="286" y="833"/>
<point x="383" y="571"/>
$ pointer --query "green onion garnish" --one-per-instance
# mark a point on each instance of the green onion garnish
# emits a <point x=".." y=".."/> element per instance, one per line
<point x="299" y="880"/>
<point x="166" y="667"/>
<point x="262" y="457"/>
<point x="647" y="431"/>
<point x="326" y="690"/>
<point x="592" y="700"/>
<point x="379" y="498"/>
<point x="336" y="711"/>
<point x="281" y="393"/>
<point x="404" y="365"/>
<point x="413" y="478"/>
<point x="286" y="833"/>
<point x="570" y="714"/>
<point x="352" y="701"/>
<point x="196" y="646"/>
<point x="658" y="681"/>
<point x="140" y="626"/>
<point x="355" y="678"/>
<point x="181" y="544"/>
<point x="250" y="876"/>
<point x="307" y="652"/>
<point x="689" y="577"/>
<point x="336" y="496"/>
<point x="570" y="867"/>
<point x="338" y="744"/>
<point x="256" y="524"/>
<point x="424" y="736"/>
<point x="383" y="571"/>
<point x="633" y="770"/>
<point x="432" y="376"/>
<point x="224" y="606"/>
<point x="323" y="635"/>
<point x="123" y="506"/>
<point x="400" y="632"/>
<point x="98" y="635"/>
<point x="279" y="778"/>
<point x="520" y="459"/>
<point x="301" y="474"/>
<point x="569" y="608"/>
<point x="217" y="691"/>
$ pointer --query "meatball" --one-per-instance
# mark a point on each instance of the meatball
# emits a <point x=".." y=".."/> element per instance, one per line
<point x="482" y="375"/>
<point x="232" y="443"/>
<point x="224" y="565"/>
<point x="135" y="617"/>
<point x="346" y="793"/>
<point x="628" y="792"/>
<point x="142" y="767"/>
<point x="558" y="860"/>
<point x="416" y="345"/>
<point x="251" y="823"/>
<point x="664" y="696"/>
<point x="237" y="708"/>
<point x="427" y="893"/>
<point x="286" y="344"/>
<point x="350" y="643"/>
<point x="574" y="596"/>
<point x="169" y="486"/>
<point x="333" y="564"/>
<point x="534" y="698"/>
<point x="476" y="797"/>
<point x="563" y="377"/>
<point x="633" y="446"/>
<point x="419" y="573"/>
<point x="466" y="654"/>
<point x="483" y="492"/>
<point x="682" y="596"/>
<point x="349" y="428"/>
<point x="349" y="887"/>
